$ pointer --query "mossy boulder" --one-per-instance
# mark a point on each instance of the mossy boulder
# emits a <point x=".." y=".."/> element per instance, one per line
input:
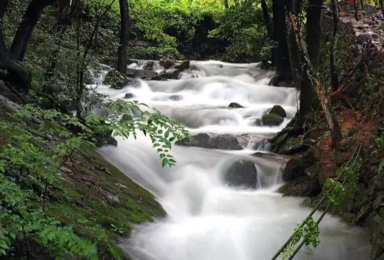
<point x="272" y="120"/>
<point x="117" y="80"/>
<point x="292" y="145"/>
<point x="278" y="110"/>
<point x="212" y="141"/>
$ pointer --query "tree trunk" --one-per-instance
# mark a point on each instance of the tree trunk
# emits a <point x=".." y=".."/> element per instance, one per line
<point x="124" y="37"/>
<point x="308" y="71"/>
<point x="362" y="4"/>
<point x="226" y="4"/>
<point x="28" y="23"/>
<point x="356" y="6"/>
<point x="3" y="8"/>
<point x="17" y="74"/>
<point x="283" y="66"/>
<point x="314" y="31"/>
<point x="308" y="98"/>
<point x="333" y="67"/>
<point x="267" y="19"/>
<point x="381" y="6"/>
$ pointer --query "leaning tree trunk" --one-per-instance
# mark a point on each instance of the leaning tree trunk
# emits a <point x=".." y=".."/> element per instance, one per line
<point x="281" y="52"/>
<point x="17" y="74"/>
<point x="124" y="37"/>
<point x="28" y="23"/>
<point x="308" y="71"/>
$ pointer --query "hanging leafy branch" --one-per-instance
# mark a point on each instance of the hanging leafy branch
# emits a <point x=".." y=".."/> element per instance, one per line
<point x="333" y="190"/>
<point x="126" y="118"/>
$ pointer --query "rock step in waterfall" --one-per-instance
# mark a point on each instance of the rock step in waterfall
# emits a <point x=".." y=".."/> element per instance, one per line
<point x="220" y="198"/>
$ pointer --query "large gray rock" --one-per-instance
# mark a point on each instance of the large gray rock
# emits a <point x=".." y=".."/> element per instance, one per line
<point x="172" y="70"/>
<point x="242" y="173"/>
<point x="167" y="63"/>
<point x="183" y="66"/>
<point x="142" y="74"/>
<point x="211" y="141"/>
<point x="117" y="80"/>
<point x="366" y="36"/>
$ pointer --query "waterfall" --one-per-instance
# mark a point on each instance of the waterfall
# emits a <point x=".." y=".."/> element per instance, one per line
<point x="206" y="218"/>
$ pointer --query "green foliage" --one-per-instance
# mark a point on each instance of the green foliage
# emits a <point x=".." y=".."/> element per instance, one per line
<point x="65" y="243"/>
<point x="244" y="26"/>
<point x="336" y="193"/>
<point x="308" y="231"/>
<point x="29" y="162"/>
<point x="162" y="52"/>
<point x="127" y="118"/>
<point x="333" y="190"/>
<point x="153" y="18"/>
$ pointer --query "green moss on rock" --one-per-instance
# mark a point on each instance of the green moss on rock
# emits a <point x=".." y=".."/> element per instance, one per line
<point x="272" y="120"/>
<point x="278" y="110"/>
<point x="95" y="198"/>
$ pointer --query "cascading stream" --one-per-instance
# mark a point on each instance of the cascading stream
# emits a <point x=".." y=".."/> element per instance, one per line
<point x="206" y="218"/>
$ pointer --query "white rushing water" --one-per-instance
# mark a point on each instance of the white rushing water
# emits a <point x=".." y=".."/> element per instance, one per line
<point x="207" y="219"/>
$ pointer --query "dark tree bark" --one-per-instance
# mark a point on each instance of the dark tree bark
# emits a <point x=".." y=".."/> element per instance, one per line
<point x="333" y="67"/>
<point x="381" y="6"/>
<point x="3" y="8"/>
<point x="283" y="66"/>
<point x="17" y="74"/>
<point x="267" y="19"/>
<point x="319" y="89"/>
<point x="297" y="7"/>
<point x="314" y="31"/>
<point x="356" y="6"/>
<point x="226" y="4"/>
<point x="124" y="37"/>
<point x="28" y="23"/>
<point x="308" y="98"/>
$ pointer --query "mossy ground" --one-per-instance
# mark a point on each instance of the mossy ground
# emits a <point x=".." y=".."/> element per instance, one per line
<point x="93" y="197"/>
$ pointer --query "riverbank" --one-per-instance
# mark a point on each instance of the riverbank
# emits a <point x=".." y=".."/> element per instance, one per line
<point x="360" y="111"/>
<point x="95" y="198"/>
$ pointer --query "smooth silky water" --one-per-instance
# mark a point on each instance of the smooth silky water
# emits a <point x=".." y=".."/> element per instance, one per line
<point x="206" y="219"/>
